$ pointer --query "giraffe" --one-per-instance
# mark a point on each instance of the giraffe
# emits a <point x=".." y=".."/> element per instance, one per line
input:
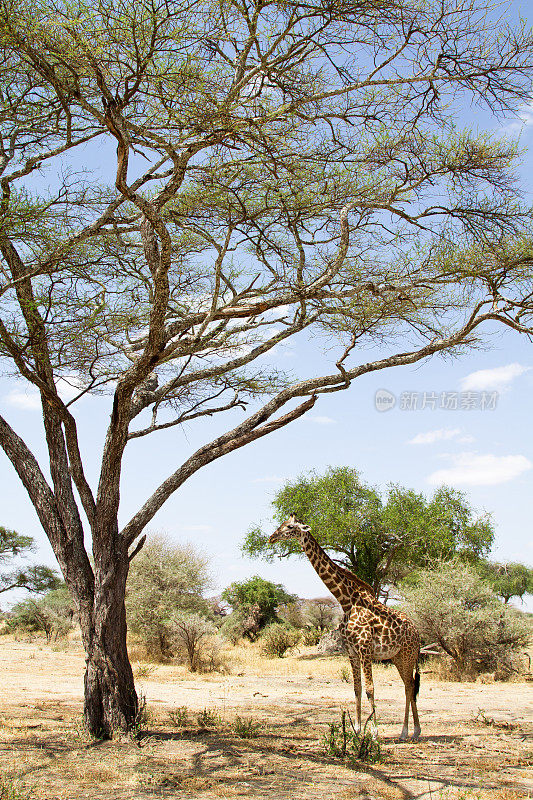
<point x="369" y="629"/>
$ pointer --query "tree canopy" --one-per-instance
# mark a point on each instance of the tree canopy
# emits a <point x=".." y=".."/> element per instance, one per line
<point x="166" y="578"/>
<point x="261" y="171"/>
<point x="257" y="599"/>
<point x="35" y="578"/>
<point x="508" y="580"/>
<point x="381" y="539"/>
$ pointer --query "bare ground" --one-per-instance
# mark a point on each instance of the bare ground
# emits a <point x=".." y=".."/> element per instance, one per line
<point x="463" y="754"/>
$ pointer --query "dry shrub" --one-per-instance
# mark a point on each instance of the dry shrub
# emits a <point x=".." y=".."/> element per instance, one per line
<point x="453" y="606"/>
<point x="195" y="643"/>
<point x="278" y="639"/>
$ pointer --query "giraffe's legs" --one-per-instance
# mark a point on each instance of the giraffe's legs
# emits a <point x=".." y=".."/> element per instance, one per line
<point x="366" y="663"/>
<point x="406" y="668"/>
<point x="355" y="664"/>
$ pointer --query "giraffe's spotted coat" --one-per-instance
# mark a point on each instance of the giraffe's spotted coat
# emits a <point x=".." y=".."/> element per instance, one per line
<point x="371" y="630"/>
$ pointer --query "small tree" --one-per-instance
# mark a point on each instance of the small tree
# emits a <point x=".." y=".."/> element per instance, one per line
<point x="380" y="539"/>
<point x="453" y="606"/>
<point x="190" y="635"/>
<point x="323" y="613"/>
<point x="508" y="580"/>
<point x="36" y="578"/>
<point x="52" y="614"/>
<point x="165" y="577"/>
<point x="256" y="602"/>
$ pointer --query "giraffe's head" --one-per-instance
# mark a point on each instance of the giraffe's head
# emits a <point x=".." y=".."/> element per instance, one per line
<point x="290" y="529"/>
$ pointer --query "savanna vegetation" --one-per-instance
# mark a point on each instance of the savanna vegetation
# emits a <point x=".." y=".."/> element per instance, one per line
<point x="265" y="172"/>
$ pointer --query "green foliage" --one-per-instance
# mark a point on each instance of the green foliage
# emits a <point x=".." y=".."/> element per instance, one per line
<point x="453" y="606"/>
<point x="235" y="626"/>
<point x="382" y="540"/>
<point x="13" y="543"/>
<point x="342" y="741"/>
<point x="311" y="637"/>
<point x="277" y="639"/>
<point x="257" y="601"/>
<point x="164" y="577"/>
<point x="508" y="580"/>
<point x="52" y="614"/>
<point x="36" y="578"/>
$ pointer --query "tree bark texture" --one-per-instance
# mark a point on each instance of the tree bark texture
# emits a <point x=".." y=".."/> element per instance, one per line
<point x="111" y="702"/>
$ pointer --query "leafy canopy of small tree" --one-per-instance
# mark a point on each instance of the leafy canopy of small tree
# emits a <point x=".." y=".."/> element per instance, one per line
<point x="258" y="596"/>
<point x="508" y="580"/>
<point x="166" y="578"/>
<point x="264" y="170"/>
<point x="52" y="614"/>
<point x="452" y="606"/>
<point x="35" y="578"/>
<point x="381" y="539"/>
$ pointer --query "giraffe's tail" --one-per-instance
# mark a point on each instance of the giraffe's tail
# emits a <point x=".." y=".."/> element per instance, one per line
<point x="417" y="682"/>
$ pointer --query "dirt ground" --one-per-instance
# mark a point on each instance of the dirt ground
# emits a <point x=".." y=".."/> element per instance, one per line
<point x="475" y="745"/>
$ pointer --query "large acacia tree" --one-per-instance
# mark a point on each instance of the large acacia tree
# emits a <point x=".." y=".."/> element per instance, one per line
<point x="382" y="539"/>
<point x="186" y="186"/>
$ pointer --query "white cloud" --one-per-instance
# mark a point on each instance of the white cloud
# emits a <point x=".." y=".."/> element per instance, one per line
<point x="495" y="379"/>
<point x="481" y="470"/>
<point x="318" y="420"/>
<point x="523" y="120"/>
<point x="439" y="435"/>
<point x="29" y="400"/>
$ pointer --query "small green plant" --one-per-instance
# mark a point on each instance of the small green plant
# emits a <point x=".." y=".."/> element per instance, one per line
<point x="341" y="742"/>
<point x="246" y="728"/>
<point x="208" y="719"/>
<point x="179" y="716"/>
<point x="483" y="719"/>
<point x="13" y="790"/>
<point x="346" y="675"/>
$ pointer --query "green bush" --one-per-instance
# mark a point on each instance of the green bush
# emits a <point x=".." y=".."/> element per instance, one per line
<point x="277" y="639"/>
<point x="233" y="628"/>
<point x="311" y="637"/>
<point x="257" y="601"/>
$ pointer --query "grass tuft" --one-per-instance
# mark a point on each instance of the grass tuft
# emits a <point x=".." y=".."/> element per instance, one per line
<point x="13" y="790"/>
<point x="179" y="716"/>
<point x="246" y="728"/>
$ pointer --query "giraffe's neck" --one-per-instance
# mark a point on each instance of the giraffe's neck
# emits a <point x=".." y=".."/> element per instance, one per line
<point x="346" y="587"/>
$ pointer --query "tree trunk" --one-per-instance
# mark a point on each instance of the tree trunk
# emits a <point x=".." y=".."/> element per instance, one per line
<point x="111" y="702"/>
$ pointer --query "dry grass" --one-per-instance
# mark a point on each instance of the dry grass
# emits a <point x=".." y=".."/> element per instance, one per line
<point x="290" y="702"/>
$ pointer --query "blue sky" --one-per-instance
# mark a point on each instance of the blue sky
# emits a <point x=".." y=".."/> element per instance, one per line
<point x="488" y="453"/>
